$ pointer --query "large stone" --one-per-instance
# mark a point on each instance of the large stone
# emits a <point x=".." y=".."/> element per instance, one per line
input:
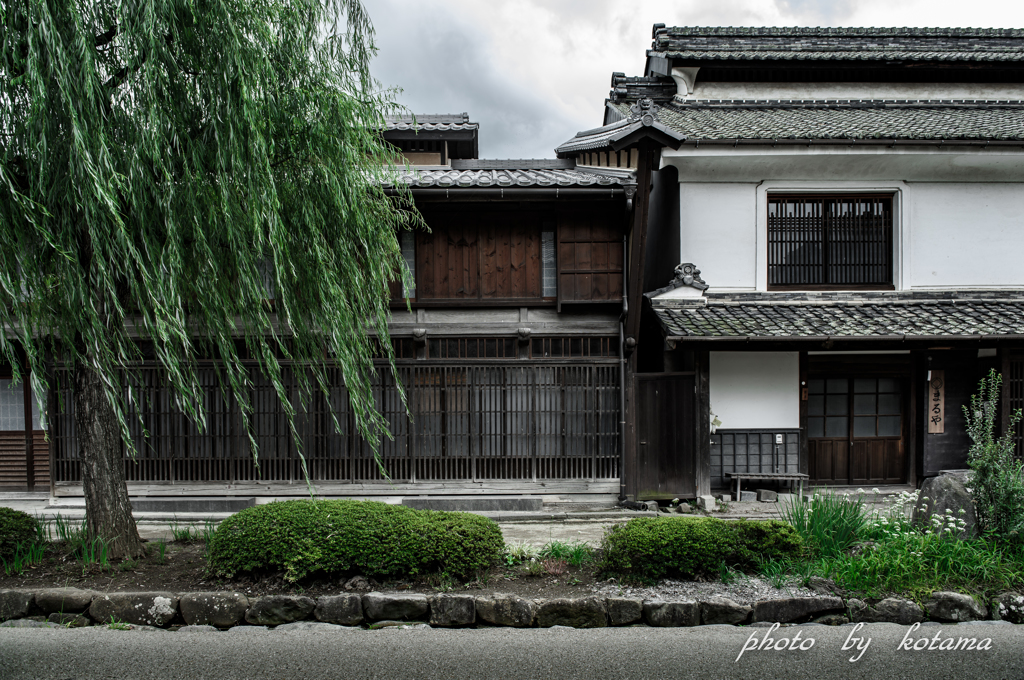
<point x="506" y="610"/>
<point x="723" y="610"/>
<point x="64" y="600"/>
<point x="706" y="503"/>
<point x="949" y="607"/>
<point x="222" y="609"/>
<point x="830" y="620"/>
<point x="942" y="493"/>
<point x="671" y="614"/>
<point x="792" y="609"/>
<point x="28" y="623"/>
<point x="146" y="609"/>
<point x="586" y="612"/>
<point x="405" y="607"/>
<point x="1009" y="606"/>
<point x="68" y="620"/>
<point x="767" y="496"/>
<point x="344" y="610"/>
<point x="889" y="610"/>
<point x="452" y="610"/>
<point x="822" y="586"/>
<point x="15" y="604"/>
<point x="623" y="611"/>
<point x="304" y="626"/>
<point x="274" y="610"/>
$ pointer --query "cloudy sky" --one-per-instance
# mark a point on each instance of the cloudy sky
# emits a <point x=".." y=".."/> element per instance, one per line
<point x="534" y="72"/>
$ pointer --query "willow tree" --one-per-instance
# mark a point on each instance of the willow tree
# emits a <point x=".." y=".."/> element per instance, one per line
<point x="163" y="161"/>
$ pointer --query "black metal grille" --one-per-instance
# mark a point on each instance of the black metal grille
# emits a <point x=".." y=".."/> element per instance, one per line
<point x="830" y="241"/>
<point x="470" y="422"/>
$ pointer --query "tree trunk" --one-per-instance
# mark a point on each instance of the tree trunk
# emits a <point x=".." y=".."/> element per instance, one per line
<point x="108" y="512"/>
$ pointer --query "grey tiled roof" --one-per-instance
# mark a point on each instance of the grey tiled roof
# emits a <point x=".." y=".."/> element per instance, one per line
<point x="854" y="316"/>
<point x="598" y="138"/>
<point x="630" y="88"/>
<point x="432" y="122"/>
<point x="835" y="120"/>
<point x="846" y="120"/>
<point x="859" y="44"/>
<point x="503" y="173"/>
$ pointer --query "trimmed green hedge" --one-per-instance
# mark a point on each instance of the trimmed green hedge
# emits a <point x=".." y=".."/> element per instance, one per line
<point x="374" y="539"/>
<point x="16" y="527"/>
<point x="656" y="547"/>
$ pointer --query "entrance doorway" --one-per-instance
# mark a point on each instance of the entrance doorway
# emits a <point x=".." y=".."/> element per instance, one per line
<point x="666" y="461"/>
<point x="856" y="428"/>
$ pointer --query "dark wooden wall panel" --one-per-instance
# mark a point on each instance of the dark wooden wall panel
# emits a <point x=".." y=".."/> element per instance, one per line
<point x="590" y="258"/>
<point x="480" y="256"/>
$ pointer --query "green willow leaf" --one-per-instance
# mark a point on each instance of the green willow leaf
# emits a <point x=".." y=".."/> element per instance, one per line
<point x="161" y="160"/>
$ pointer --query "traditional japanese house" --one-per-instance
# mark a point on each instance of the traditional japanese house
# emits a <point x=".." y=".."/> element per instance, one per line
<point x="829" y="249"/>
<point x="508" y="347"/>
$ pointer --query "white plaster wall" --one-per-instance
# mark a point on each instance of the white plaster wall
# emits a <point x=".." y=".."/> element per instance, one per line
<point x="966" y="235"/>
<point x="719" y="233"/>
<point x="755" y="390"/>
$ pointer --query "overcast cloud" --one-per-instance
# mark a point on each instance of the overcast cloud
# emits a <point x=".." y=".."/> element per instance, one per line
<point x="534" y="72"/>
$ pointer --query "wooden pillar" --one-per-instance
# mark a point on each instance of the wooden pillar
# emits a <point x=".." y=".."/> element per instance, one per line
<point x="30" y="461"/>
<point x="702" y="420"/>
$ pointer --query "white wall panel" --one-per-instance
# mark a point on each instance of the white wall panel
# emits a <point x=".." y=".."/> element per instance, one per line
<point x="966" y="235"/>
<point x="719" y="233"/>
<point x="755" y="390"/>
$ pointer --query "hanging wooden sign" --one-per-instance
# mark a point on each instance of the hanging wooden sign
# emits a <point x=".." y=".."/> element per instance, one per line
<point x="937" y="403"/>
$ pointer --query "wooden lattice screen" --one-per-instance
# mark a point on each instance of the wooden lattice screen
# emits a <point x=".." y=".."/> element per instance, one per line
<point x="843" y="241"/>
<point x="498" y="420"/>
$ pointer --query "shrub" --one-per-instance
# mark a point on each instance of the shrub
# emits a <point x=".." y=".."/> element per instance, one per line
<point x="375" y="539"/>
<point x="655" y="547"/>
<point x="997" y="484"/>
<point x="16" y="528"/>
<point x="829" y="523"/>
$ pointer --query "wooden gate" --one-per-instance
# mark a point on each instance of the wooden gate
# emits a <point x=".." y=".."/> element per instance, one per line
<point x="666" y="451"/>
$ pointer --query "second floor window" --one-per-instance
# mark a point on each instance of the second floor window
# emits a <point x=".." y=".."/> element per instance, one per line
<point x="830" y="242"/>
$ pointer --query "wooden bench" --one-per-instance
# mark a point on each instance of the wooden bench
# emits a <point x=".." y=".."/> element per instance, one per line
<point x="770" y="476"/>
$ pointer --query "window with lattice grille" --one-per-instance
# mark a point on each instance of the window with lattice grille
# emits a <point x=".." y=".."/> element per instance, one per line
<point x="830" y="242"/>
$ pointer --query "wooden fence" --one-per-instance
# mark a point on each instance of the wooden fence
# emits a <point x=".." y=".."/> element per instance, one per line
<point x="470" y="421"/>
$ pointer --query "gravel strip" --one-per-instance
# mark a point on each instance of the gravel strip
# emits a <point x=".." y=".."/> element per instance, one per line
<point x="745" y="590"/>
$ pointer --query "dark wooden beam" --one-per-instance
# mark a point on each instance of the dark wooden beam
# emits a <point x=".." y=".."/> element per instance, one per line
<point x="649" y="154"/>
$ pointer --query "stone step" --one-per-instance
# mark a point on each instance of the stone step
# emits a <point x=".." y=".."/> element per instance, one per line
<point x="187" y="504"/>
<point x="530" y="504"/>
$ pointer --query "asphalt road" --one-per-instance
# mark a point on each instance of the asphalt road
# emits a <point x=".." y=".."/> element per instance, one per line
<point x="508" y="654"/>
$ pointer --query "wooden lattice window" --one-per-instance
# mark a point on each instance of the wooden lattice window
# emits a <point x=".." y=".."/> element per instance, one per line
<point x="830" y="242"/>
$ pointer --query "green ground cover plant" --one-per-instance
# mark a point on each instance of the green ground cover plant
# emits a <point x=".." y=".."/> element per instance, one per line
<point x="16" y="529"/>
<point x="828" y="523"/>
<point x="370" y="538"/>
<point x="688" y="547"/>
<point x="887" y="553"/>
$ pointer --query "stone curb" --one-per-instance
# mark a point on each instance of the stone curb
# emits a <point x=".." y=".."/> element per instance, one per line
<point x="227" y="610"/>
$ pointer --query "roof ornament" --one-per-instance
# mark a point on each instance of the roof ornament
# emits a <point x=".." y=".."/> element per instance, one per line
<point x="644" y="110"/>
<point x="687" y="274"/>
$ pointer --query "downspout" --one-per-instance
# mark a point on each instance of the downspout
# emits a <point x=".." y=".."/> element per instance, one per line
<point x="622" y="381"/>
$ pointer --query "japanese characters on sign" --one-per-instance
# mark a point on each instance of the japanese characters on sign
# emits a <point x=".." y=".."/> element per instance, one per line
<point x="937" y="403"/>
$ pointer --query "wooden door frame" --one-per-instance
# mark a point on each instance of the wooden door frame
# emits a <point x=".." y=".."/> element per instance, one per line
<point x="899" y="366"/>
